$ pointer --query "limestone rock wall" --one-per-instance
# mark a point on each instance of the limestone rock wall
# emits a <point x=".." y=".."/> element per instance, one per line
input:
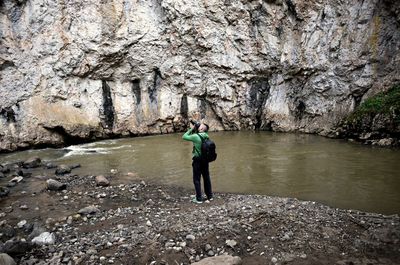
<point x="79" y="70"/>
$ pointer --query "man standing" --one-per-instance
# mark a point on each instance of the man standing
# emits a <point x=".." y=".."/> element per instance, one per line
<point x="197" y="134"/>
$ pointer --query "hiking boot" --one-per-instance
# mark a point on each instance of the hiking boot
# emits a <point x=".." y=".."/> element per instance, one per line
<point x="194" y="200"/>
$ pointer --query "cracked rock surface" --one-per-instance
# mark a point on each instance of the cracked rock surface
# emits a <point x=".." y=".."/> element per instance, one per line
<point x="82" y="70"/>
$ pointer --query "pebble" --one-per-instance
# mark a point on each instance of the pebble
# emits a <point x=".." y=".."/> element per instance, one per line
<point x="17" y="179"/>
<point x="45" y="238"/>
<point x="177" y="249"/>
<point x="102" y="181"/>
<point x="55" y="185"/>
<point x="62" y="169"/>
<point x="21" y="223"/>
<point x="89" y="210"/>
<point x="190" y="237"/>
<point x="119" y="237"/>
<point x="207" y="247"/>
<point x="169" y="244"/>
<point x="231" y="243"/>
<point x="24" y="207"/>
<point x="69" y="220"/>
<point x="182" y="244"/>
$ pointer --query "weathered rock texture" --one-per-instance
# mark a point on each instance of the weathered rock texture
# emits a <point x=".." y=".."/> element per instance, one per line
<point x="78" y="70"/>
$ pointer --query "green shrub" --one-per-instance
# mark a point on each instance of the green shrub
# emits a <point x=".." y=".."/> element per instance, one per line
<point x="382" y="103"/>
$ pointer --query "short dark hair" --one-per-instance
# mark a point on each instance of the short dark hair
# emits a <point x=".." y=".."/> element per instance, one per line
<point x="208" y="127"/>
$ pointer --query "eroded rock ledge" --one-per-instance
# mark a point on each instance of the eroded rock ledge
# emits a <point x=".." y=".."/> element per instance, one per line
<point x="77" y="71"/>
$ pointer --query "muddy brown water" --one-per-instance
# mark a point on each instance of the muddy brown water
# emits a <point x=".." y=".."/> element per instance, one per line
<point x="335" y="172"/>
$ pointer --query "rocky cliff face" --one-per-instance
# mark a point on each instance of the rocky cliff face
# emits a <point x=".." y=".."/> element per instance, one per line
<point x="76" y="70"/>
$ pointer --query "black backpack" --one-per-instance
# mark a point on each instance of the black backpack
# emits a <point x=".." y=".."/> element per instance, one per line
<point x="207" y="149"/>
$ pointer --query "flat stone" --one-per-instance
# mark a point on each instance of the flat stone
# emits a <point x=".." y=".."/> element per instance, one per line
<point x="17" y="179"/>
<point x="21" y="223"/>
<point x="55" y="185"/>
<point x="220" y="260"/>
<point x="24" y="207"/>
<point x="207" y="247"/>
<point x="63" y="169"/>
<point x="102" y="181"/>
<point x="386" y="142"/>
<point x="190" y="237"/>
<point x="75" y="166"/>
<point x="89" y="210"/>
<point x="231" y="243"/>
<point x="50" y="165"/>
<point x="32" y="162"/>
<point x="45" y="238"/>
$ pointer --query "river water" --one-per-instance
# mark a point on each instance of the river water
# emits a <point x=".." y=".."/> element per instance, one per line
<point x="334" y="172"/>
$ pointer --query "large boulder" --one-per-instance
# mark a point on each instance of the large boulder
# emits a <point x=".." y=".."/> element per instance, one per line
<point x="220" y="260"/>
<point x="55" y="185"/>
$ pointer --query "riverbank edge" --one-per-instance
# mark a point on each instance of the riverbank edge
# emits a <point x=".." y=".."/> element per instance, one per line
<point x="336" y="134"/>
<point x="148" y="223"/>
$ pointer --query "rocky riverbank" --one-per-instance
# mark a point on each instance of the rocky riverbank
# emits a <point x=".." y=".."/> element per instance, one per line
<point x="73" y="219"/>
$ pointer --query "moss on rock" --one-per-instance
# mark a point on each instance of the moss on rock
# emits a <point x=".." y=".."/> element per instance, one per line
<point x="384" y="103"/>
<point x="375" y="120"/>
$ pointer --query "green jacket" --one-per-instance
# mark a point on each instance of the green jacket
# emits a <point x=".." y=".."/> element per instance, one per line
<point x="195" y="138"/>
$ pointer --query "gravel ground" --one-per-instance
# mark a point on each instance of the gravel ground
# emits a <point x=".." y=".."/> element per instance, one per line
<point x="145" y="223"/>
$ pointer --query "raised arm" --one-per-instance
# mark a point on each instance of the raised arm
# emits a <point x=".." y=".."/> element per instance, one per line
<point x="188" y="136"/>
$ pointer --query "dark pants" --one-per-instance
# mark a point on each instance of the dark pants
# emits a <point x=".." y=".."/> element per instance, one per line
<point x="200" y="167"/>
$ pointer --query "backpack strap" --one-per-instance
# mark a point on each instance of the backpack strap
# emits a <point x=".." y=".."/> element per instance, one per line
<point x="201" y="137"/>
